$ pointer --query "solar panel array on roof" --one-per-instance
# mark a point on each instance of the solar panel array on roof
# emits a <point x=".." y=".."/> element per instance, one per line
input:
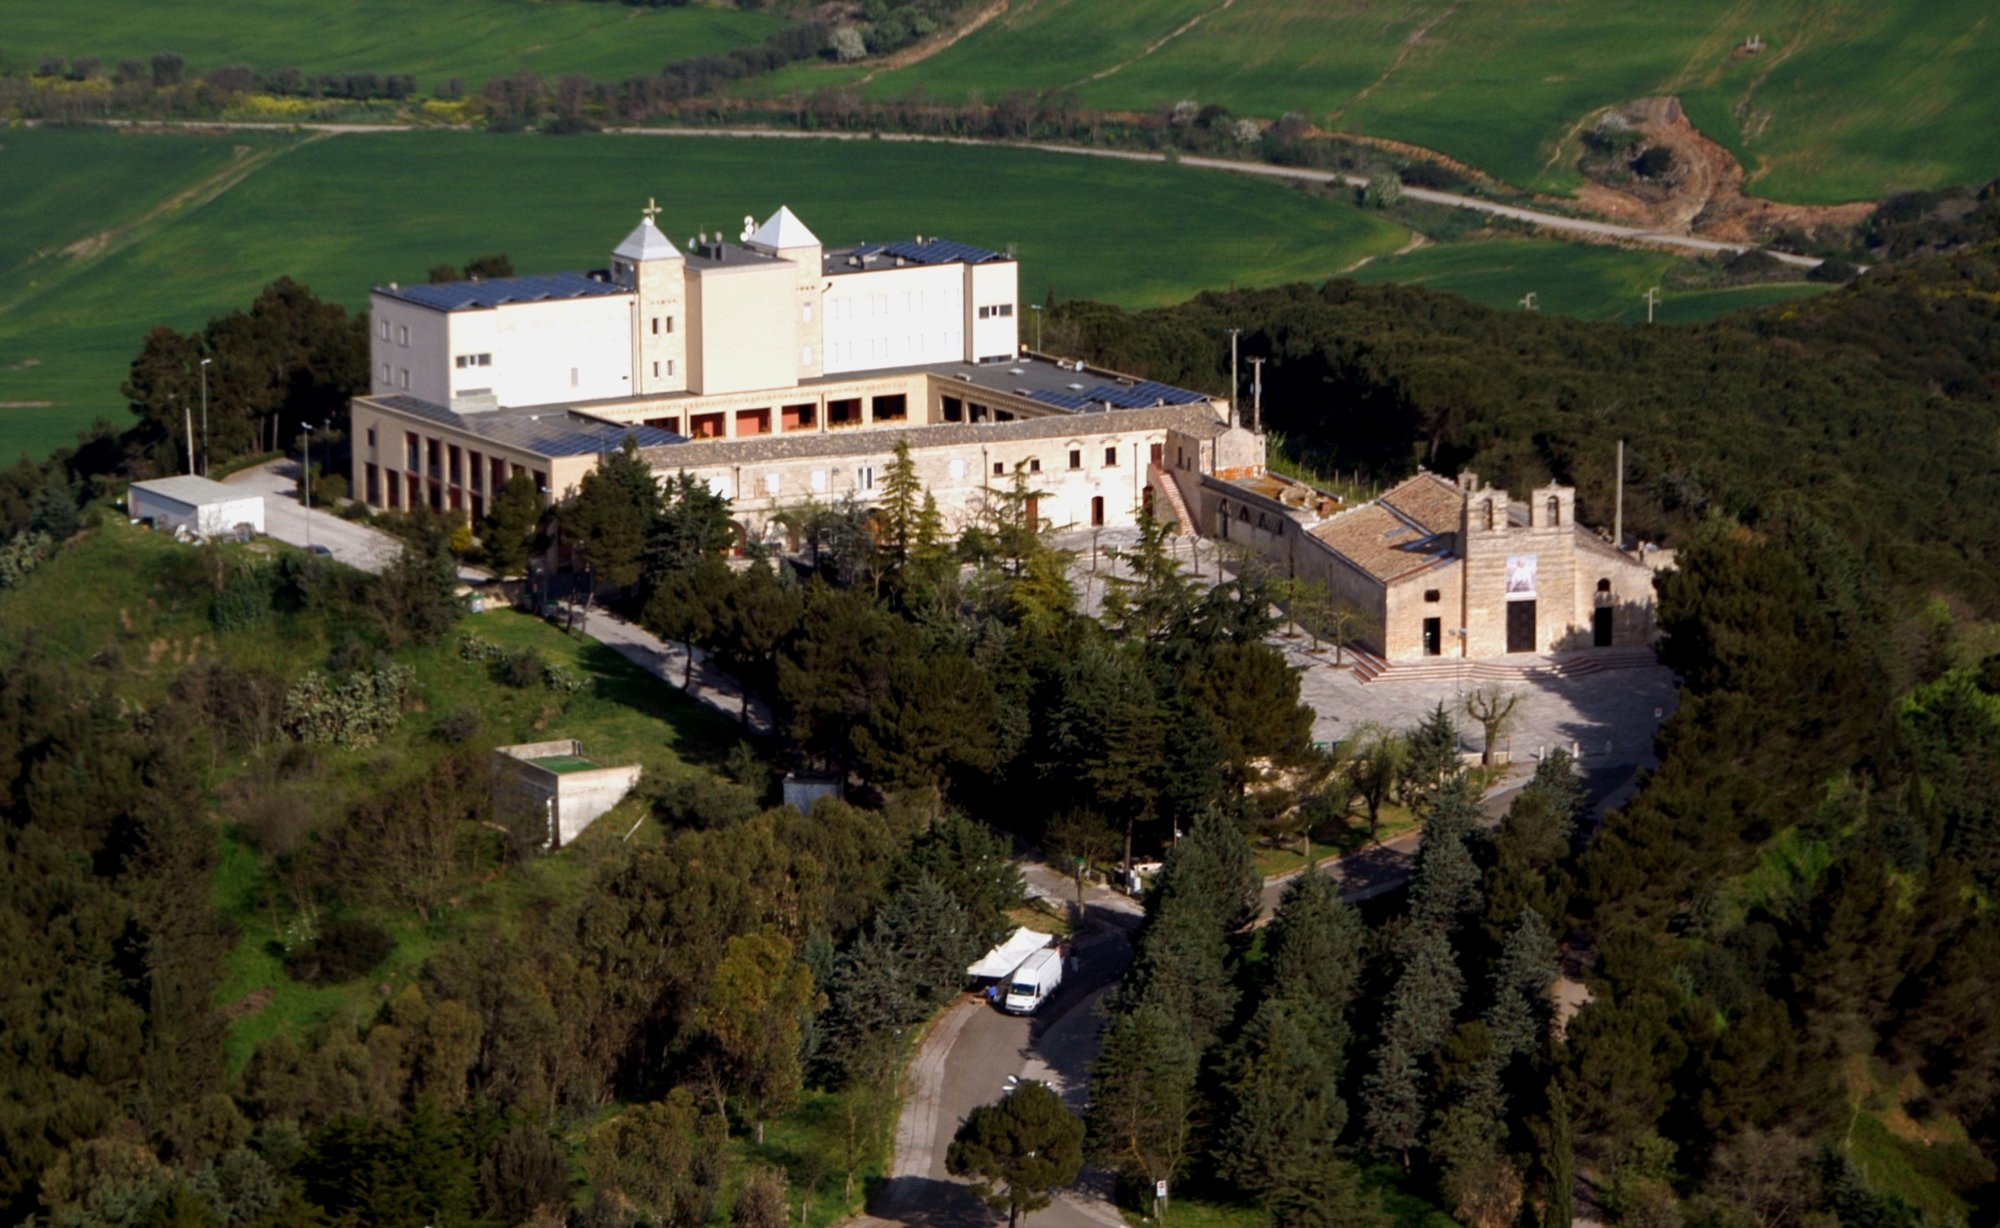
<point x="930" y="251"/>
<point x="941" y="251"/>
<point x="496" y="291"/>
<point x="1061" y="400"/>
<point x="1141" y="395"/>
<point x="572" y="438"/>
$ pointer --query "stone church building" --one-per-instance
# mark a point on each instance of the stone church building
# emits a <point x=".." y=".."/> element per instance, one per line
<point x="1443" y="568"/>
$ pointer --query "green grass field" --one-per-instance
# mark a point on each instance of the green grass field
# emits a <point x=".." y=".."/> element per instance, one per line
<point x="1572" y="279"/>
<point x="1848" y="100"/>
<point x="343" y="213"/>
<point x="434" y="39"/>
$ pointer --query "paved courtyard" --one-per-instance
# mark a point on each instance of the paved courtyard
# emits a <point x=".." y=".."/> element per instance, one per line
<point x="1608" y="718"/>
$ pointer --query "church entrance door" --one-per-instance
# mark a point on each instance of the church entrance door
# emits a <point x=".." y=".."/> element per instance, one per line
<point x="1520" y="626"/>
<point x="1433" y="636"/>
<point x="1600" y="627"/>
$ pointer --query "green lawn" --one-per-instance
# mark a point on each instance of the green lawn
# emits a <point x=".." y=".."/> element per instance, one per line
<point x="345" y="212"/>
<point x="1572" y="279"/>
<point x="1848" y="101"/>
<point x="434" y="39"/>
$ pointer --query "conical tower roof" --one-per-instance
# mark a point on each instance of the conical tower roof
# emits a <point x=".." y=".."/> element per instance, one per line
<point x="646" y="242"/>
<point x="782" y="230"/>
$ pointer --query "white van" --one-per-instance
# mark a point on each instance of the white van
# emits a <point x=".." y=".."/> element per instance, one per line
<point x="1033" y="982"/>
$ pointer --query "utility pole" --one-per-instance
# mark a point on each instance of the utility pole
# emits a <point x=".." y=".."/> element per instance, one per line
<point x="306" y="449"/>
<point x="1652" y="300"/>
<point x="187" y="412"/>
<point x="1234" y="417"/>
<point x="1257" y="393"/>
<point x="204" y="416"/>
<point x="1618" y="516"/>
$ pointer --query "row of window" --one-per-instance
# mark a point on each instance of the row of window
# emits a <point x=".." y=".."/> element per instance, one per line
<point x="473" y="360"/>
<point x="1001" y="310"/>
<point x="402" y="332"/>
<point x="402" y="377"/>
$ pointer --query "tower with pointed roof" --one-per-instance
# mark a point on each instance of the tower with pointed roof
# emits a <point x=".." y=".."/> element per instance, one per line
<point x="649" y="263"/>
<point x="785" y="236"/>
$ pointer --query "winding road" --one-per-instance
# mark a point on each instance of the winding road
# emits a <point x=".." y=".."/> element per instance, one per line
<point x="1581" y="227"/>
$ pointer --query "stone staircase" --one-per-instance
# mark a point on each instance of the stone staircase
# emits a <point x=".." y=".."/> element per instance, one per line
<point x="1370" y="668"/>
<point x="1170" y="491"/>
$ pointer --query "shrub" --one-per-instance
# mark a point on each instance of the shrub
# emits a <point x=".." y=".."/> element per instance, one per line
<point x="353" y="712"/>
<point x="1653" y="162"/>
<point x="520" y="668"/>
<point x="460" y="725"/>
<point x="344" y="950"/>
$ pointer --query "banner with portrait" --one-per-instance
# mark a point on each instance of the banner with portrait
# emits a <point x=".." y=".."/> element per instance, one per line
<point x="1520" y="577"/>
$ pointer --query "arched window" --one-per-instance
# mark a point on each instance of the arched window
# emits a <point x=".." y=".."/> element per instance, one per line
<point x="1489" y="514"/>
<point x="1604" y="586"/>
<point x="1555" y="511"/>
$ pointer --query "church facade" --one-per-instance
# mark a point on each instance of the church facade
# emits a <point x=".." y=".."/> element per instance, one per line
<point x="1437" y="567"/>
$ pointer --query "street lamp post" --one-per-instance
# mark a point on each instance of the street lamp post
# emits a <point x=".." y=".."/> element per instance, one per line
<point x="204" y="416"/>
<point x="1037" y="309"/>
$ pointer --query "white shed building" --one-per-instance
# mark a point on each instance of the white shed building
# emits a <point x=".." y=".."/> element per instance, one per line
<point x="202" y="507"/>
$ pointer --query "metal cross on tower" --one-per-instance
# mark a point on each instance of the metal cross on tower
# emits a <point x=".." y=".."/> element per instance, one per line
<point x="652" y="209"/>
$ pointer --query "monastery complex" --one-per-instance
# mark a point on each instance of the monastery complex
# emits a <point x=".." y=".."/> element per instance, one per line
<point x="781" y="372"/>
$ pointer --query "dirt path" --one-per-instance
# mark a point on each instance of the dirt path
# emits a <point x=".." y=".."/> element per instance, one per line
<point x="244" y="163"/>
<point x="1156" y="44"/>
<point x="1403" y="53"/>
<point x="924" y="51"/>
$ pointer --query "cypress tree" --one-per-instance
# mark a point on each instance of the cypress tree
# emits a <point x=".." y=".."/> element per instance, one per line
<point x="1314" y="953"/>
<point x="1447" y="879"/>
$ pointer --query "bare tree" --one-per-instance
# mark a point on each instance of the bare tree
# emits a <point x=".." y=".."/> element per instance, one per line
<point x="1494" y="707"/>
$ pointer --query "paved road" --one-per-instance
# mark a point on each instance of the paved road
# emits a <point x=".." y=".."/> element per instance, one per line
<point x="371" y="550"/>
<point x="973" y="1054"/>
<point x="1583" y="227"/>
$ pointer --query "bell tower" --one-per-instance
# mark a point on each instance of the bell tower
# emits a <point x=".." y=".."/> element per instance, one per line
<point x="649" y="263"/>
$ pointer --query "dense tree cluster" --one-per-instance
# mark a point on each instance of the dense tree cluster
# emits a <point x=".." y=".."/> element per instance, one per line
<point x="1790" y="929"/>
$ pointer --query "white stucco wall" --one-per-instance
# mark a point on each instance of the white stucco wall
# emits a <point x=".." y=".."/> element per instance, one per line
<point x="993" y="286"/>
<point x="545" y="353"/>
<point x="406" y="350"/>
<point x="894" y="318"/>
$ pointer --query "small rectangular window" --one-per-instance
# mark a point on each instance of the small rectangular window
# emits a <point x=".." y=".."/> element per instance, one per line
<point x="864" y="477"/>
<point x="1076" y="458"/>
<point x="1430" y="594"/>
<point x="807" y="315"/>
<point x="1111" y="458"/>
<point x="670" y="368"/>
<point x="1035" y="464"/>
<point x="371" y="436"/>
<point x="382" y="329"/>
<point x="771" y="484"/>
<point x="656" y="370"/>
<point x="385" y="370"/>
<point x="670" y="324"/>
<point x="656" y="326"/>
<point x="1005" y="309"/>
<point x="403" y="378"/>
<point x="999" y="470"/>
<point x="402" y="334"/>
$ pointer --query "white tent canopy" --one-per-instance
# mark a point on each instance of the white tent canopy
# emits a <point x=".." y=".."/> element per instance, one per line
<point x="1006" y="957"/>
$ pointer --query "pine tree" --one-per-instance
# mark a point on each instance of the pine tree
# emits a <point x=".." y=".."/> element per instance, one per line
<point x="1314" y="951"/>
<point x="1447" y="882"/>
<point x="1434" y="756"/>
<point x="899" y="518"/>
<point x="1143" y="1097"/>
<point x="1423" y="1007"/>
<point x="510" y="525"/>
<point x="1287" y="1110"/>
